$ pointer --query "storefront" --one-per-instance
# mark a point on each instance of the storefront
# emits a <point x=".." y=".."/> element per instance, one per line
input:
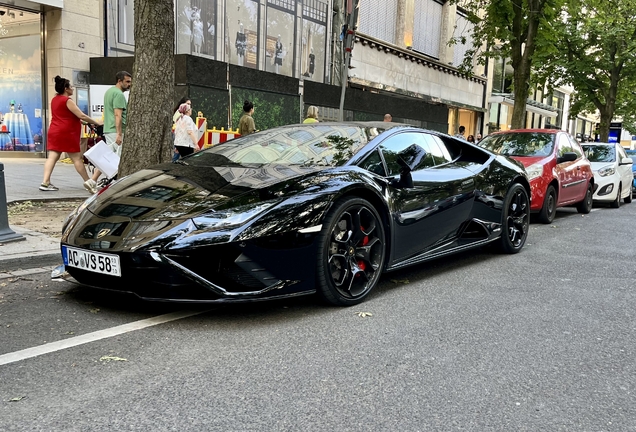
<point x="21" y="78"/>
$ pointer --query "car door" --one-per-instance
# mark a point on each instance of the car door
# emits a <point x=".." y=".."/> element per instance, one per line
<point x="625" y="171"/>
<point x="431" y="210"/>
<point x="568" y="173"/>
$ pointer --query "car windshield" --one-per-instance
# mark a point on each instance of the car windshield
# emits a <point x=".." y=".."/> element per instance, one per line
<point x="306" y="145"/>
<point x="600" y="153"/>
<point x="520" y="143"/>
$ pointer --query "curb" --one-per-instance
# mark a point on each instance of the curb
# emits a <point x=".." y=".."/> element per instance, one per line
<point x="31" y="260"/>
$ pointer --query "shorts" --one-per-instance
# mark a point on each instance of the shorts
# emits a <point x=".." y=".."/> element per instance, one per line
<point x="110" y="141"/>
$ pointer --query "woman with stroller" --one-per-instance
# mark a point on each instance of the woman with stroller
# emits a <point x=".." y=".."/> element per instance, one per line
<point x="64" y="135"/>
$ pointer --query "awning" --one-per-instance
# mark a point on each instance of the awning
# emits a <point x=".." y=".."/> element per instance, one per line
<point x="531" y="105"/>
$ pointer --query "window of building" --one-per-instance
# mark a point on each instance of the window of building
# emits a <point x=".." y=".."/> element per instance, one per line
<point x="377" y="18"/>
<point x="125" y="22"/>
<point x="463" y="29"/>
<point x="427" y="27"/>
<point x="557" y="100"/>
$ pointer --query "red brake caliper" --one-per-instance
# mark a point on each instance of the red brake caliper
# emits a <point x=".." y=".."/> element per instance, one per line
<point x="361" y="265"/>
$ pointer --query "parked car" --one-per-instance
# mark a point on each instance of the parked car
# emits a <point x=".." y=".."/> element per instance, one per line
<point x="323" y="207"/>
<point x="558" y="170"/>
<point x="632" y="155"/>
<point x="612" y="172"/>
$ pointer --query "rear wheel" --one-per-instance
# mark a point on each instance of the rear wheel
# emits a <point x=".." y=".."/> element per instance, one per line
<point x="351" y="249"/>
<point x="617" y="202"/>
<point x="515" y="219"/>
<point x="548" y="210"/>
<point x="585" y="206"/>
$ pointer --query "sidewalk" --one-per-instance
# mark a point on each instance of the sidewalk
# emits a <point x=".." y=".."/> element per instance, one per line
<point x="22" y="178"/>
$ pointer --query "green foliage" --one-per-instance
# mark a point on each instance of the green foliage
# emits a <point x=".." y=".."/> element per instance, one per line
<point x="212" y="103"/>
<point x="270" y="109"/>
<point x="594" y="51"/>
<point x="344" y="148"/>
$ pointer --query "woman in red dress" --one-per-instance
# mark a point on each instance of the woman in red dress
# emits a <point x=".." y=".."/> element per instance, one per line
<point x="64" y="135"/>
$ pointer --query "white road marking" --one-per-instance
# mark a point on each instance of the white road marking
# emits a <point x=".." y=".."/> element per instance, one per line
<point x="94" y="336"/>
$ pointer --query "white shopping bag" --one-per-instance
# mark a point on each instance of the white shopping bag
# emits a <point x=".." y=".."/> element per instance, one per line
<point x="102" y="156"/>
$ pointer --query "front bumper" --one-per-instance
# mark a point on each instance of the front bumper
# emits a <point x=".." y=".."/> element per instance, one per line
<point x="607" y="187"/>
<point x="221" y="273"/>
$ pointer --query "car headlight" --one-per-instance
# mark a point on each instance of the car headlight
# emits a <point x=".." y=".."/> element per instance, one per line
<point x="607" y="171"/>
<point x="534" y="171"/>
<point x="235" y="216"/>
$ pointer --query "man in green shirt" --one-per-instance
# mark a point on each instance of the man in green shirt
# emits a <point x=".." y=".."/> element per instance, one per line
<point x="115" y="111"/>
<point x="246" y="123"/>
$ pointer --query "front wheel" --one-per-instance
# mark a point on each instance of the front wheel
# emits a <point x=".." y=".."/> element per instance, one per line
<point x="617" y="202"/>
<point x="548" y="211"/>
<point x="515" y="219"/>
<point x="585" y="206"/>
<point x="351" y="250"/>
<point x="628" y="198"/>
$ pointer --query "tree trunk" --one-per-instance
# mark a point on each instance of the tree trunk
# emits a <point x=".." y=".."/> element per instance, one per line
<point x="604" y="127"/>
<point x="520" y="91"/>
<point x="148" y="136"/>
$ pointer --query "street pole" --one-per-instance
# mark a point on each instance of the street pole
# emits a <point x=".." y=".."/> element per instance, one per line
<point x="6" y="234"/>
<point x="351" y="13"/>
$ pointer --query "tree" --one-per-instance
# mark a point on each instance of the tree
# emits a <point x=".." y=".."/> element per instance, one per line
<point x="510" y="29"/>
<point x="148" y="137"/>
<point x="595" y="52"/>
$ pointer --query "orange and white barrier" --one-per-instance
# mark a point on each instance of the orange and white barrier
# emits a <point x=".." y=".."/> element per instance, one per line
<point x="202" y="125"/>
<point x="215" y="136"/>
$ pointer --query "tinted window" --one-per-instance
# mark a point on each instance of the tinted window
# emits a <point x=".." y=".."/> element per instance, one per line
<point x="306" y="145"/>
<point x="373" y="163"/>
<point x="520" y="143"/>
<point x="600" y="153"/>
<point x="410" y="148"/>
<point x="441" y="155"/>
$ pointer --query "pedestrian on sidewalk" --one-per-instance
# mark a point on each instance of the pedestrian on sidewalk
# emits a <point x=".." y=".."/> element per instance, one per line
<point x="246" y="123"/>
<point x="176" y="116"/>
<point x="185" y="132"/>
<point x="312" y="115"/>
<point x="64" y="135"/>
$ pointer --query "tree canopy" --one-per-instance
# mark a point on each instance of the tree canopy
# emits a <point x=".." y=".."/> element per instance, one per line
<point x="510" y="29"/>
<point x="594" y="51"/>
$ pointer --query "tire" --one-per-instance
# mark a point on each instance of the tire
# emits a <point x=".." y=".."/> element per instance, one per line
<point x="548" y="211"/>
<point x="585" y="206"/>
<point x="628" y="198"/>
<point x="351" y="252"/>
<point x="617" y="202"/>
<point x="515" y="222"/>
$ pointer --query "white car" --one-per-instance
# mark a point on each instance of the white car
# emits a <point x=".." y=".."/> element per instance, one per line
<point x="612" y="172"/>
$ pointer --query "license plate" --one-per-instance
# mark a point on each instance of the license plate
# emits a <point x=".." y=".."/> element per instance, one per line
<point x="91" y="261"/>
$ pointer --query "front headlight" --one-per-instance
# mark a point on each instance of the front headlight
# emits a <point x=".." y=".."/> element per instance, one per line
<point x="607" y="171"/>
<point x="235" y="216"/>
<point x="534" y="171"/>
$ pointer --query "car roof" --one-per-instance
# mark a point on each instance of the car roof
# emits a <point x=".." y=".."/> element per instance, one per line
<point x="547" y="131"/>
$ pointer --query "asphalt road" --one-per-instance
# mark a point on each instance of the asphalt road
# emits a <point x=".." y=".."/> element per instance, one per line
<point x="543" y="340"/>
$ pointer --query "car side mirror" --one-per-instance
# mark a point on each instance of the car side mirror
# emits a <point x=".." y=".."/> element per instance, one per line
<point x="567" y="157"/>
<point x="411" y="157"/>
<point x="627" y="161"/>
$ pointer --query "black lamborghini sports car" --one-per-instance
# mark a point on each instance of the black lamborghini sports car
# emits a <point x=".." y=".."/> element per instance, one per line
<point x="323" y="207"/>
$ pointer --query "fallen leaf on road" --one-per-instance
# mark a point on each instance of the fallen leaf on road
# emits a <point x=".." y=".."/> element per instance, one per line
<point x="69" y="333"/>
<point x="364" y="314"/>
<point x="94" y="310"/>
<point x="111" y="358"/>
<point x="3" y="284"/>
<point x="402" y="281"/>
<point x="17" y="399"/>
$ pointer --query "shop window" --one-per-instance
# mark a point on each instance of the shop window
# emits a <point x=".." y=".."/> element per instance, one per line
<point x="21" y="123"/>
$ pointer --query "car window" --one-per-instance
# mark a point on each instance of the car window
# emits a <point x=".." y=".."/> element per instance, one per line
<point x="410" y="147"/>
<point x="600" y="153"/>
<point x="373" y="163"/>
<point x="564" y="145"/>
<point x="441" y="155"/>
<point x="520" y="143"/>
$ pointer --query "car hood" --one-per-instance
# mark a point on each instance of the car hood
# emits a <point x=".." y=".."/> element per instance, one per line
<point x="173" y="191"/>
<point x="598" y="165"/>
<point x="530" y="160"/>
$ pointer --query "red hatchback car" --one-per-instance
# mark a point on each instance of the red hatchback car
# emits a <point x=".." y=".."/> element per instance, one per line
<point x="557" y="168"/>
